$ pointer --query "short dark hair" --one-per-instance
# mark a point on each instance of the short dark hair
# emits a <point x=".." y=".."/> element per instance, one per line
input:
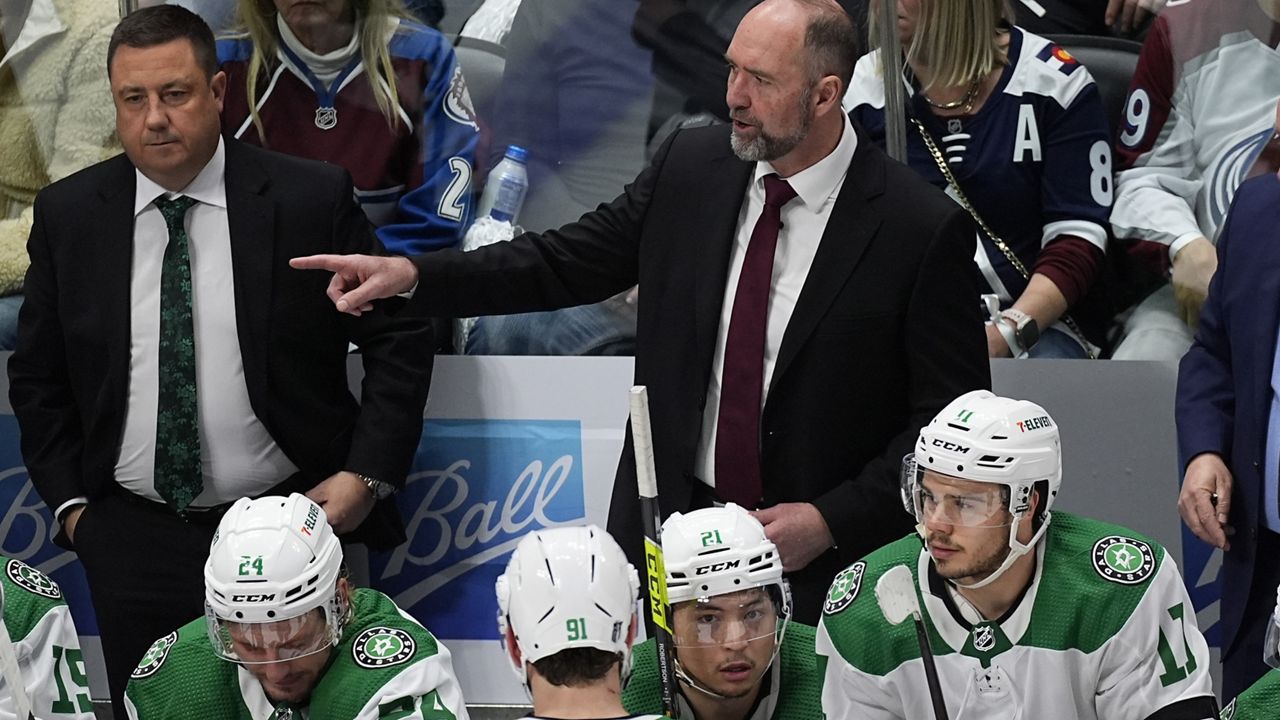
<point x="832" y="41"/>
<point x="159" y="24"/>
<point x="576" y="667"/>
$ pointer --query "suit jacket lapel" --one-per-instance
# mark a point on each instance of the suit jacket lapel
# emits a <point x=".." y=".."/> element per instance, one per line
<point x="714" y="233"/>
<point x="852" y="224"/>
<point x="112" y="254"/>
<point x="250" y="218"/>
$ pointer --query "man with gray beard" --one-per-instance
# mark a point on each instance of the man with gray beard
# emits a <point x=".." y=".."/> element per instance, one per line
<point x="804" y="307"/>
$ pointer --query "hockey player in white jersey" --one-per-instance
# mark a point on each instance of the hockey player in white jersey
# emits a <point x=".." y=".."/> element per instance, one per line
<point x="567" y="614"/>
<point x="286" y="637"/>
<point x="1031" y="614"/>
<point x="41" y="667"/>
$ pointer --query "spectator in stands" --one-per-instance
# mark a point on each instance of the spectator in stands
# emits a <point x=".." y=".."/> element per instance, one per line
<point x="1262" y="698"/>
<point x="1013" y="127"/>
<point x="1228" y="414"/>
<point x="567" y="619"/>
<point x="576" y="93"/>
<point x="1199" y="117"/>
<point x="1085" y="17"/>
<point x="737" y="653"/>
<point x="285" y="635"/>
<point x="55" y="118"/>
<point x="358" y="84"/>
<point x="39" y="634"/>
<point x="793" y="334"/>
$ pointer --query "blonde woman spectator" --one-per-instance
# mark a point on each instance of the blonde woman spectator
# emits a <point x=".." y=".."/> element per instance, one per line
<point x="1018" y="125"/>
<point x="359" y="84"/>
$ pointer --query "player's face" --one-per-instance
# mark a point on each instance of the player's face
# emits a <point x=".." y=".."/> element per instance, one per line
<point x="271" y="654"/>
<point x="726" y="642"/>
<point x="167" y="110"/>
<point x="770" y="92"/>
<point x="970" y="551"/>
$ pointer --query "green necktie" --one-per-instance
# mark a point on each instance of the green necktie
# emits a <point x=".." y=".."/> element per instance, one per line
<point x="178" y="475"/>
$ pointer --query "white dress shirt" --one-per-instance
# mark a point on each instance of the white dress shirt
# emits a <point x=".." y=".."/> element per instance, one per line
<point x="237" y="454"/>
<point x="804" y="219"/>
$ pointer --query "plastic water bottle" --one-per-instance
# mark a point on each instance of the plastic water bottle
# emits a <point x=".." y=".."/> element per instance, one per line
<point x="508" y="182"/>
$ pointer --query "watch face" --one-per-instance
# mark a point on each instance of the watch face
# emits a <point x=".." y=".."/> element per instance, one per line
<point x="1028" y="333"/>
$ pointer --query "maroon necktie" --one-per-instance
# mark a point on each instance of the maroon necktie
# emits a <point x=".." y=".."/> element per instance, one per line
<point x="742" y="381"/>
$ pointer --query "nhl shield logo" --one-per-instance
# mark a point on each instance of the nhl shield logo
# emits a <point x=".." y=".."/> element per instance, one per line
<point x="1123" y="560"/>
<point x="31" y="579"/>
<point x="380" y="647"/>
<point x="156" y="655"/>
<point x="844" y="588"/>
<point x="984" y="638"/>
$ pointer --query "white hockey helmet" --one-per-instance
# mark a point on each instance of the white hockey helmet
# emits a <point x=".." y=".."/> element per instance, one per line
<point x="272" y="561"/>
<point x="719" y="551"/>
<point x="568" y="587"/>
<point x="982" y="437"/>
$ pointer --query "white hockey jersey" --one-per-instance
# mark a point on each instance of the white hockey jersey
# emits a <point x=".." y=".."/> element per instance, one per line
<point x="47" y="647"/>
<point x="1104" y="632"/>
<point x="1200" y="109"/>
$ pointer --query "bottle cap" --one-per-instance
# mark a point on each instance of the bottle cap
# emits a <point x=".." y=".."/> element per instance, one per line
<point x="517" y="153"/>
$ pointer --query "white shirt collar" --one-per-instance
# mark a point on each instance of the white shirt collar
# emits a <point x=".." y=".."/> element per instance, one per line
<point x="208" y="187"/>
<point x="820" y="180"/>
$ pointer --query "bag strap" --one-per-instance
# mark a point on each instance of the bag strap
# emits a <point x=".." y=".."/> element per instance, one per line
<point x="1014" y="260"/>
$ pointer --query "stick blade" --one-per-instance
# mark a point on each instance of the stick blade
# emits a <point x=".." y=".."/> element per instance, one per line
<point x="896" y="593"/>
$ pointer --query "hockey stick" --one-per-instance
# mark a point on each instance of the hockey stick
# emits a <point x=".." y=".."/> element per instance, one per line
<point x="647" y="478"/>
<point x="896" y="593"/>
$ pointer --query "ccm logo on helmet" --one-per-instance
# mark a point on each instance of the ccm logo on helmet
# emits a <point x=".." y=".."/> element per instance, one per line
<point x="948" y="445"/>
<point x="253" y="598"/>
<point x="313" y="514"/>
<point x="717" y="567"/>
<point x="1035" y="423"/>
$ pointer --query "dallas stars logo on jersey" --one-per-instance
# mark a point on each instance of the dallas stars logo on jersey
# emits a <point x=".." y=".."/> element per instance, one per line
<point x="31" y="579"/>
<point x="155" y="655"/>
<point x="380" y="647"/>
<point x="1123" y="560"/>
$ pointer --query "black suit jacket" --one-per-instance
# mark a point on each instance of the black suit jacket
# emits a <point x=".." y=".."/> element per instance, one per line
<point x="886" y="330"/>
<point x="69" y="375"/>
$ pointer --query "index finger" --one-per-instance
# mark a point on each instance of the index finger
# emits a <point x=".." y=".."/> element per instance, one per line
<point x="332" y="263"/>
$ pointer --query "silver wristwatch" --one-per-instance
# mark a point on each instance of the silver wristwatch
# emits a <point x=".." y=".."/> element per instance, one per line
<point x="381" y="490"/>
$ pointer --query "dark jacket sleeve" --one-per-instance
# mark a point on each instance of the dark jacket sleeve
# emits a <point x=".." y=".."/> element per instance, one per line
<point x="40" y="388"/>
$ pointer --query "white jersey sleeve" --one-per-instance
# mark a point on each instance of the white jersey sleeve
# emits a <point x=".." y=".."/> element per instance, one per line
<point x="850" y="693"/>
<point x="1158" y="181"/>
<point x="425" y="690"/>
<point x="1158" y="662"/>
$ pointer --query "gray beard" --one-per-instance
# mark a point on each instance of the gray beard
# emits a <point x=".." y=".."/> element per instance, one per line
<point x="766" y="147"/>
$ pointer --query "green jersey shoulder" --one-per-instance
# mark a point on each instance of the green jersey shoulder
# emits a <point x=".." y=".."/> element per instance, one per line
<point x="385" y="663"/>
<point x="1260" y="702"/>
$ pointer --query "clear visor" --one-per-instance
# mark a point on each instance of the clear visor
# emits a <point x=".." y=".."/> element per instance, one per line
<point x="732" y="619"/>
<point x="1271" y="646"/>
<point x="273" y="642"/>
<point x="933" y="497"/>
